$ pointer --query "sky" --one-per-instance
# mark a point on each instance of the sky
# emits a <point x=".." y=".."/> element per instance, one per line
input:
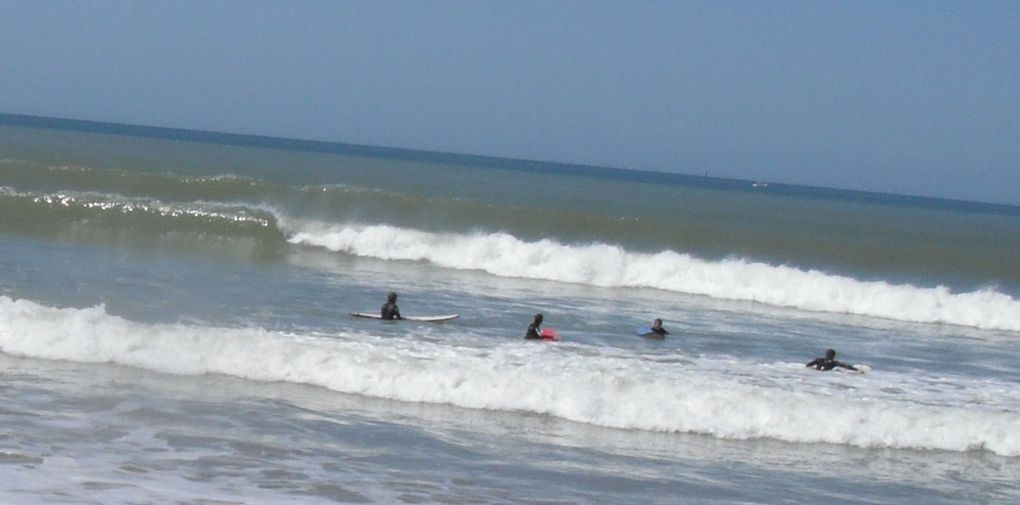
<point x="919" y="98"/>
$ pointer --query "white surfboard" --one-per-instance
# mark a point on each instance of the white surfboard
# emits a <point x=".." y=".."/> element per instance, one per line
<point x="429" y="319"/>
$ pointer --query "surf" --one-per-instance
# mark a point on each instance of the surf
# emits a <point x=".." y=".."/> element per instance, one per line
<point x="598" y="387"/>
<point x="251" y="216"/>
<point x="605" y="265"/>
<point x="264" y="229"/>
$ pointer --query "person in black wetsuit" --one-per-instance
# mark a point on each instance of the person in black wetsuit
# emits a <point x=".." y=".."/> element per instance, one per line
<point x="658" y="330"/>
<point x="828" y="362"/>
<point x="390" y="310"/>
<point x="535" y="329"/>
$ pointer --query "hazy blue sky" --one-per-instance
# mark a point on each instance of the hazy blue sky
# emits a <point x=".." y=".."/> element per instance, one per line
<point x="906" y="97"/>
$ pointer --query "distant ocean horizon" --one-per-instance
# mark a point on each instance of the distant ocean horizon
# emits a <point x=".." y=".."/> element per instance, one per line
<point x="519" y="164"/>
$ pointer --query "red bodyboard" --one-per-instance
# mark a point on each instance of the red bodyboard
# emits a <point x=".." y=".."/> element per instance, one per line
<point x="549" y="334"/>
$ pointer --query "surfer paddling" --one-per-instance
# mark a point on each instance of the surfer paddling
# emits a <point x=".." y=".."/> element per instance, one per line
<point x="390" y="311"/>
<point x="828" y="362"/>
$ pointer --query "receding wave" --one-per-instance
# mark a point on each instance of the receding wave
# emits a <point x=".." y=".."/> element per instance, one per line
<point x="612" y="266"/>
<point x="610" y="390"/>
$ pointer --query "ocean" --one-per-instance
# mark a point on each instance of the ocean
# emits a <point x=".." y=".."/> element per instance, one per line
<point x="175" y="328"/>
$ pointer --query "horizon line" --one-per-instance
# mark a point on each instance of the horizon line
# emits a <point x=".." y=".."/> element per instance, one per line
<point x="501" y="162"/>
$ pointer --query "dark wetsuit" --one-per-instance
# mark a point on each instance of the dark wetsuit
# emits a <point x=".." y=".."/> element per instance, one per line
<point x="660" y="331"/>
<point x="534" y="332"/>
<point x="390" y="311"/>
<point x="826" y="364"/>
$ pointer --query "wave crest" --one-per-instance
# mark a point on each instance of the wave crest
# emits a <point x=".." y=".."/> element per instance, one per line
<point x="612" y="266"/>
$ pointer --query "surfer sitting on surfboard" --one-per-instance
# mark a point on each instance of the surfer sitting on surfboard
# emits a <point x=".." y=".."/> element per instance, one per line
<point x="534" y="330"/>
<point x="828" y="362"/>
<point x="390" y="310"/>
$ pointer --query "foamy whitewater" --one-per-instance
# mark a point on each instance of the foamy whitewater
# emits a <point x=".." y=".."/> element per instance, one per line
<point x="175" y="328"/>
<point x="612" y="266"/>
<point x="590" y="385"/>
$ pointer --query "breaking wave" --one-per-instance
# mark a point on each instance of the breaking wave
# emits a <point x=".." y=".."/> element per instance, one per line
<point x="599" y="386"/>
<point x="613" y="266"/>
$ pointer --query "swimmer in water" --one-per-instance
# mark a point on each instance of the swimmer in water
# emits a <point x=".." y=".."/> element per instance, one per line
<point x="535" y="329"/>
<point x="658" y="329"/>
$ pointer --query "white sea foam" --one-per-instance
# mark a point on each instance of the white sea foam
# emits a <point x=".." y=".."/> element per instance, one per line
<point x="612" y="390"/>
<point x="611" y="266"/>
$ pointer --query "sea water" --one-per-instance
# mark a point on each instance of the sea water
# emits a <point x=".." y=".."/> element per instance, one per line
<point x="174" y="328"/>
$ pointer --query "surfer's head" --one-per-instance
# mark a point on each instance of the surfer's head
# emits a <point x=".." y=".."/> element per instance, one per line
<point x="538" y="318"/>
<point x="830" y="354"/>
<point x="392" y="296"/>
